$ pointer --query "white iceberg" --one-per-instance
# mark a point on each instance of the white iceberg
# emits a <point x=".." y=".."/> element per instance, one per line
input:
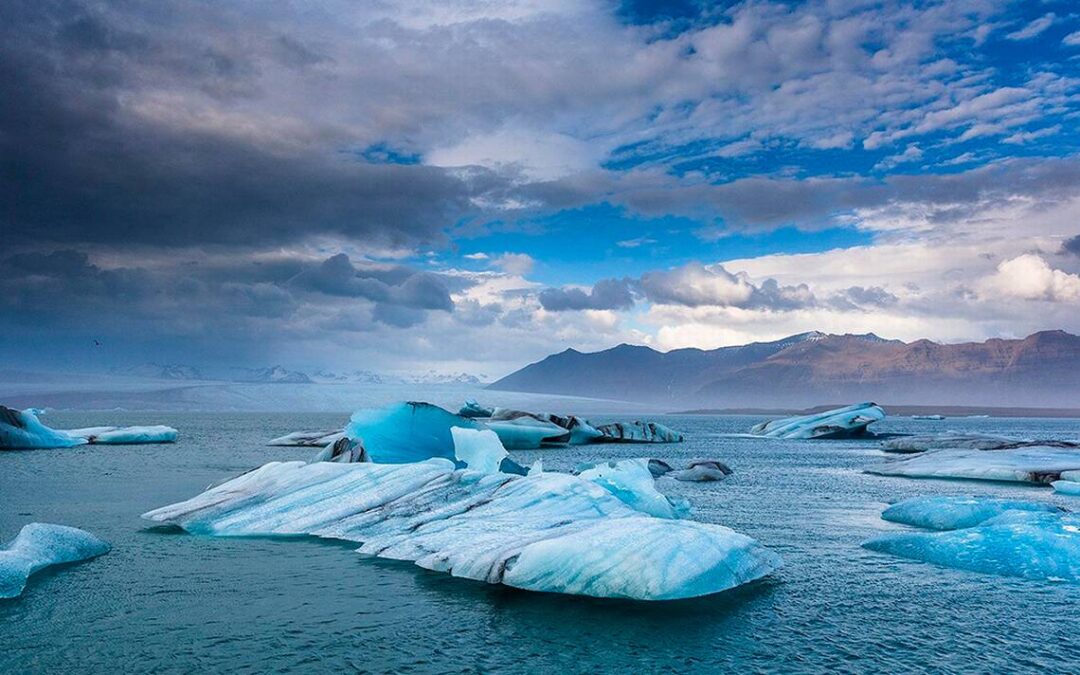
<point x="633" y="482"/>
<point x="21" y="429"/>
<point x="846" y="422"/>
<point x="964" y="441"/>
<point x="1028" y="541"/>
<point x="1028" y="464"/>
<point x="313" y="439"/>
<point x="544" y="532"/>
<point x="479" y="449"/>
<point x="40" y="545"/>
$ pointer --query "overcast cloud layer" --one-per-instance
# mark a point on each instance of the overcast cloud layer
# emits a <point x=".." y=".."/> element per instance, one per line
<point x="473" y="185"/>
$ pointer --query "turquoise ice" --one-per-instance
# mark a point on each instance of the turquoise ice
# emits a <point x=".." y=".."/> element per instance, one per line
<point x="633" y="483"/>
<point x="1007" y="538"/>
<point x="843" y="422"/>
<point x="40" y="545"/>
<point x="544" y="532"/>
<point x="22" y="429"/>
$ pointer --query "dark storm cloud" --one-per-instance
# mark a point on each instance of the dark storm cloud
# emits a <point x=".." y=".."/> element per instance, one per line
<point x="1071" y="246"/>
<point x="395" y="285"/>
<point x="605" y="294"/>
<point x="80" y="164"/>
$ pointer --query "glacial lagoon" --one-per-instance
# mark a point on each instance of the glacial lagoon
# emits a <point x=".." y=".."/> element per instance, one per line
<point x="172" y="602"/>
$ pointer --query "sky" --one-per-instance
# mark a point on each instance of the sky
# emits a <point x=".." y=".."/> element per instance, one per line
<point x="469" y="186"/>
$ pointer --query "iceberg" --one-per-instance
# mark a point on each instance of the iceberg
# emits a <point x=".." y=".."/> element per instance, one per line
<point x="406" y="432"/>
<point x="40" y="545"/>
<point x="637" y="432"/>
<point x="962" y="441"/>
<point x="1029" y="464"/>
<point x="847" y="422"/>
<point x="954" y="513"/>
<point x="524" y="431"/>
<point x="344" y="450"/>
<point x="21" y="429"/>
<point x="1029" y="540"/>
<point x="312" y="439"/>
<point x="549" y="532"/>
<point x="632" y="481"/>
<point x="474" y="409"/>
<point x="581" y="431"/>
<point x="1068" y="484"/>
<point x="701" y="470"/>
<point x="479" y="449"/>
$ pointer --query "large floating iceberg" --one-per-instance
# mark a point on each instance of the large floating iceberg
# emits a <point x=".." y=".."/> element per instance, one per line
<point x="544" y="532"/>
<point x="846" y="422"/>
<point x="39" y="545"/>
<point x="22" y="429"/>
<point x="1029" y="464"/>
<point x="1020" y="539"/>
<point x="962" y="441"/>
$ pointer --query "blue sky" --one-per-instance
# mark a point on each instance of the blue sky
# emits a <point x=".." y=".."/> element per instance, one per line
<point x="464" y="185"/>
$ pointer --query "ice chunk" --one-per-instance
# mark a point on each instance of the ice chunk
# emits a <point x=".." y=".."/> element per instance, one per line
<point x="702" y="470"/>
<point x="344" y="450"/>
<point x="954" y="513"/>
<point x="474" y="409"/>
<point x="544" y="532"/>
<point x="39" y="545"/>
<point x="934" y="417"/>
<point x="962" y="441"/>
<point x="1034" y="464"/>
<point x="23" y="429"/>
<point x="480" y="449"/>
<point x="1021" y="543"/>
<point x="846" y="422"/>
<point x="319" y="439"/>
<point x="638" y="432"/>
<point x="1069" y="484"/>
<point x="406" y="432"/>
<point x="632" y="482"/>
<point x="524" y="431"/>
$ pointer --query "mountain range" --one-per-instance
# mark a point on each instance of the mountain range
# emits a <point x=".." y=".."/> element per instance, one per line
<point x="808" y="369"/>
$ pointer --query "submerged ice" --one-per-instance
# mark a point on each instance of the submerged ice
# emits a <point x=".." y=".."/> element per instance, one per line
<point x="22" y="429"/>
<point x="545" y="531"/>
<point x="1008" y="538"/>
<point x="846" y="422"/>
<point x="1025" y="464"/>
<point x="40" y="545"/>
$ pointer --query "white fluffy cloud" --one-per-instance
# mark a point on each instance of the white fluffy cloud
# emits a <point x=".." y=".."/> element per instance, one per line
<point x="1030" y="277"/>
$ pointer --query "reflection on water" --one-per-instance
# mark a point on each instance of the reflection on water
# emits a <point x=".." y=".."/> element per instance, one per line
<point x="167" y="601"/>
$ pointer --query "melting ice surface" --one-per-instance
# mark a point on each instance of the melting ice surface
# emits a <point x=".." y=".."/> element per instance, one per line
<point x="23" y="429"/>
<point x="633" y="483"/>
<point x="479" y="449"/>
<point x="959" y="441"/>
<point x="1027" y="464"/>
<point x="544" y="532"/>
<point x="1019" y="539"/>
<point x="843" y="422"/>
<point x="39" y="545"/>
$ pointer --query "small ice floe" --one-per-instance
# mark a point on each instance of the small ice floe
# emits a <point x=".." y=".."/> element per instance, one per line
<point x="928" y="417"/>
<point x="963" y="441"/>
<point x="583" y="535"/>
<point x="21" y="429"/>
<point x="980" y="534"/>
<point x="313" y="439"/>
<point x="847" y="422"/>
<point x="40" y="545"/>
<point x="1068" y="483"/>
<point x="701" y="471"/>
<point x="1026" y="464"/>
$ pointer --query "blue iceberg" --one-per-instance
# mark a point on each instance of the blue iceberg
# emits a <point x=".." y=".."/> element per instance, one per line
<point x="848" y="422"/>
<point x="548" y="532"/>
<point x="1031" y="541"/>
<point x="1027" y="464"/>
<point x="40" y="545"/>
<point x="524" y="431"/>
<point x="1068" y="483"/>
<point x="954" y="513"/>
<point x="963" y="441"/>
<point x="21" y="429"/>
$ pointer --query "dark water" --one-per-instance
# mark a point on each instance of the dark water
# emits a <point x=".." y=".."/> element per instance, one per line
<point x="168" y="602"/>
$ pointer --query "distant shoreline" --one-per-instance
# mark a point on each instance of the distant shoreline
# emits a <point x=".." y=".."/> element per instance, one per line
<point x="948" y="411"/>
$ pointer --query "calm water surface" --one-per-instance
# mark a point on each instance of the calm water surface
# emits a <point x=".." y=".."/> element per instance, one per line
<point x="168" y="602"/>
